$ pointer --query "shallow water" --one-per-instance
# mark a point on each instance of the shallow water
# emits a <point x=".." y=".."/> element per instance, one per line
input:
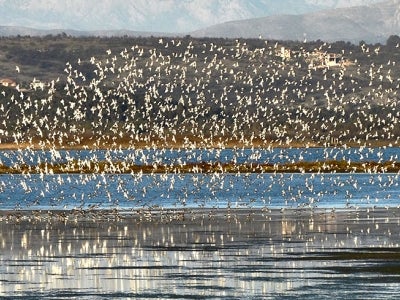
<point x="68" y="191"/>
<point x="327" y="236"/>
<point x="198" y="190"/>
<point x="174" y="156"/>
<point x="294" y="254"/>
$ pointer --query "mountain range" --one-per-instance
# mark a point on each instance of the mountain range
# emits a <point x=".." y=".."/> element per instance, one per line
<point x="329" y="20"/>
<point x="173" y="16"/>
<point x="371" y="23"/>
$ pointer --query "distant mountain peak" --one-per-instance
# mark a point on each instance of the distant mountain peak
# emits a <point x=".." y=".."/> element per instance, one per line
<point x="151" y="15"/>
<point x="371" y="23"/>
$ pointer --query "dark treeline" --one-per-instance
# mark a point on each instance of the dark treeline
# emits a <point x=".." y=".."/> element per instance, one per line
<point x="42" y="57"/>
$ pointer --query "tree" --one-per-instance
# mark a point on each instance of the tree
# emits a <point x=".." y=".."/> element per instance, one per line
<point x="393" y="41"/>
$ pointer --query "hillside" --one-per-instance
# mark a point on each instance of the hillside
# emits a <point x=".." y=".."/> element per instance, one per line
<point x="15" y="31"/>
<point x="172" y="16"/>
<point x="371" y="23"/>
<point x="190" y="92"/>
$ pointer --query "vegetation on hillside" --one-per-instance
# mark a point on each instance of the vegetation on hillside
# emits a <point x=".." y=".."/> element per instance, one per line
<point x="196" y="92"/>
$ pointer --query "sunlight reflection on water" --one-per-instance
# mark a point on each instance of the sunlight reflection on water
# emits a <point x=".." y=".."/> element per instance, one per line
<point x="208" y="254"/>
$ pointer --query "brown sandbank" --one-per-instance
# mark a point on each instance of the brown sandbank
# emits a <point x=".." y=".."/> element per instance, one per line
<point x="121" y="167"/>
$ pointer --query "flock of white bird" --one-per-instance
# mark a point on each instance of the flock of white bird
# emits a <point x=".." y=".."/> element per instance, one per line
<point x="194" y="94"/>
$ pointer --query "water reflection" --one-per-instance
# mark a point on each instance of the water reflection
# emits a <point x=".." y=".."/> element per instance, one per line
<point x="208" y="253"/>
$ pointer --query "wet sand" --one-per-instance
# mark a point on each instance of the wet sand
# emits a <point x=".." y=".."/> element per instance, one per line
<point x="201" y="253"/>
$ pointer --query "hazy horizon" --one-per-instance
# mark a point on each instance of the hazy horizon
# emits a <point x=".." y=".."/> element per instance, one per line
<point x="170" y="16"/>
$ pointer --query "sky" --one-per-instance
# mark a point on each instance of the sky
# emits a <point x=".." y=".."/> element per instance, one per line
<point x="177" y="16"/>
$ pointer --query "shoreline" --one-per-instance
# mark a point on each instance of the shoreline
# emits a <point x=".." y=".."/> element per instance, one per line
<point x="190" y="215"/>
<point x="121" y="167"/>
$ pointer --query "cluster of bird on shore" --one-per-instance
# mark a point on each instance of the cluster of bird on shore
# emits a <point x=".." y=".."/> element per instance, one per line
<point x="193" y="94"/>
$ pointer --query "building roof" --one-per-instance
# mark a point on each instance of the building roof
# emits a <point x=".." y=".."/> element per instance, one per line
<point x="7" y="82"/>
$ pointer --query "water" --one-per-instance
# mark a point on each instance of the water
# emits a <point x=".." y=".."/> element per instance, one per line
<point x="131" y="191"/>
<point x="298" y="254"/>
<point x="185" y="236"/>
<point x="173" y="156"/>
<point x="198" y="190"/>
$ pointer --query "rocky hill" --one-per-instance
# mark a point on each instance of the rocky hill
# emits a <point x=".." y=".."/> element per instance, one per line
<point x="371" y="23"/>
<point x="108" y="17"/>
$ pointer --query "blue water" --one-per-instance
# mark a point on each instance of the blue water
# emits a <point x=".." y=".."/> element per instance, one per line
<point x="131" y="191"/>
<point x="273" y="254"/>
<point x="199" y="190"/>
<point x="168" y="156"/>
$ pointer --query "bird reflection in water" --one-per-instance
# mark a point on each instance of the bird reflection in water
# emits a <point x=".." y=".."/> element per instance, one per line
<point x="230" y="254"/>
